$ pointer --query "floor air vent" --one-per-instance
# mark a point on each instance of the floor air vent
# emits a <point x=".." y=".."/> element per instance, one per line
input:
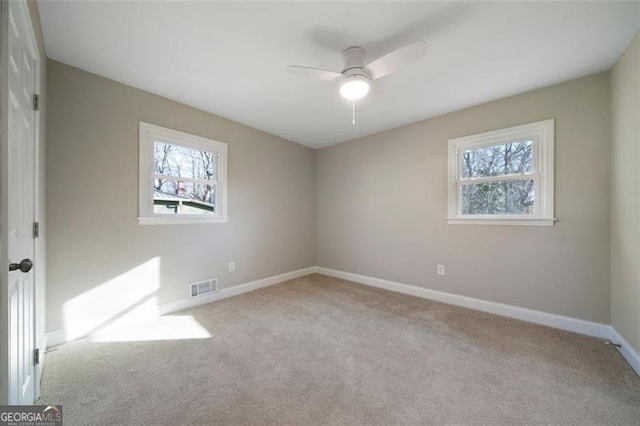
<point x="203" y="287"/>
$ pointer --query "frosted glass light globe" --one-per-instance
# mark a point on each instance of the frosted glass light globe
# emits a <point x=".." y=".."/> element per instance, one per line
<point x="354" y="87"/>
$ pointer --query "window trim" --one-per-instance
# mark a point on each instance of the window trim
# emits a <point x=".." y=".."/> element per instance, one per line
<point x="148" y="134"/>
<point x="542" y="134"/>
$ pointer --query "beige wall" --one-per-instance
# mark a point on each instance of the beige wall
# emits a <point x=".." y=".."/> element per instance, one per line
<point x="379" y="206"/>
<point x="625" y="194"/>
<point x="382" y="201"/>
<point x="99" y="254"/>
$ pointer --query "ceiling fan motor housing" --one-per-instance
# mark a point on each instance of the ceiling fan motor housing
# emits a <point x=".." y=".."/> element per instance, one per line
<point x="354" y="63"/>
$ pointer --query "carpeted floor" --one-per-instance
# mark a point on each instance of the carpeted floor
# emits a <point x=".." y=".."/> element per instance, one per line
<point x="319" y="350"/>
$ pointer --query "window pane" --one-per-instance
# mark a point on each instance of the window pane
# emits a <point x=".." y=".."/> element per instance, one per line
<point x="172" y="196"/>
<point x="180" y="161"/>
<point x="498" y="160"/>
<point x="513" y="197"/>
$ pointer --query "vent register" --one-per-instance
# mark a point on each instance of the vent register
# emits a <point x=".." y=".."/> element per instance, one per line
<point x="201" y="288"/>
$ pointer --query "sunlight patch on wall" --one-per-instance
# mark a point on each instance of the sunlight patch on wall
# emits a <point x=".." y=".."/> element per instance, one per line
<point x="161" y="328"/>
<point x="125" y="299"/>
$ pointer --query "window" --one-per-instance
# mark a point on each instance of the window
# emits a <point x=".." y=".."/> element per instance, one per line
<point x="183" y="178"/>
<point x="503" y="177"/>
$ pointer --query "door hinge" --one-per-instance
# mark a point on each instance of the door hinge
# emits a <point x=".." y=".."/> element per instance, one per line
<point x="36" y="357"/>
<point x="36" y="229"/>
<point x="36" y="102"/>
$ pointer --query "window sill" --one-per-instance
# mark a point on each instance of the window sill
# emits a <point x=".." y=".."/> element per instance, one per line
<point x="181" y="220"/>
<point x="502" y="221"/>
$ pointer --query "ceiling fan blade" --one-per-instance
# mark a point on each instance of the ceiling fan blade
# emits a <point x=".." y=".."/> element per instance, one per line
<point x="316" y="73"/>
<point x="395" y="60"/>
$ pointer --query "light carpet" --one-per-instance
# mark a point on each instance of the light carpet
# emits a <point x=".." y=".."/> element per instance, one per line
<point x="320" y="350"/>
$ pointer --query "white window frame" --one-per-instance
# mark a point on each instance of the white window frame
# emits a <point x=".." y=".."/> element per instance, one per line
<point x="542" y="134"/>
<point x="149" y="134"/>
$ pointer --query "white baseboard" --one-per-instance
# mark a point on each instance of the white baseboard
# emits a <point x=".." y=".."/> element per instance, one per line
<point x="224" y="293"/>
<point x="628" y="352"/>
<point x="538" y="317"/>
<point x="58" y="337"/>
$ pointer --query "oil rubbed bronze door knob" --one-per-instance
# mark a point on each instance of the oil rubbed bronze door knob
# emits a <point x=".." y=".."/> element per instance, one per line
<point x="25" y="266"/>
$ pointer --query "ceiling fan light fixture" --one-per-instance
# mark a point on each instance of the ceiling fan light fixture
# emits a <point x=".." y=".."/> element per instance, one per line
<point x="354" y="87"/>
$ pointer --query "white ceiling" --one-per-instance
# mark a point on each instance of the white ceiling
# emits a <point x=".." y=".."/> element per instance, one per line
<point x="230" y="58"/>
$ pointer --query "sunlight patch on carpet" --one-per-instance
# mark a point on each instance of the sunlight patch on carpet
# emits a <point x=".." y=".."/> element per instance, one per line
<point x="161" y="328"/>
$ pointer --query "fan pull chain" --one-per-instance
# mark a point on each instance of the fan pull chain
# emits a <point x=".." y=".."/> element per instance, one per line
<point x="353" y="113"/>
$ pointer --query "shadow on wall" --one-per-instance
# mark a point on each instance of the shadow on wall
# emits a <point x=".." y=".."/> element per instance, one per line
<point x="125" y="308"/>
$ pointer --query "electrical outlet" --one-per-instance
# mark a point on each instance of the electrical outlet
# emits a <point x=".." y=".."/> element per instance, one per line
<point x="232" y="266"/>
<point x="440" y="269"/>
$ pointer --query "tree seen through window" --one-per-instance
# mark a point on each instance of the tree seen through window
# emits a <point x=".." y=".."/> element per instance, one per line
<point x="510" y="192"/>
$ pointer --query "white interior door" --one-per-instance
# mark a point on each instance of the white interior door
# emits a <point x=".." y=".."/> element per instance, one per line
<point x="21" y="120"/>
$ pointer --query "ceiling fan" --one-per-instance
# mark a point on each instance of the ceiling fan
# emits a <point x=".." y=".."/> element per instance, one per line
<point x="356" y="75"/>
